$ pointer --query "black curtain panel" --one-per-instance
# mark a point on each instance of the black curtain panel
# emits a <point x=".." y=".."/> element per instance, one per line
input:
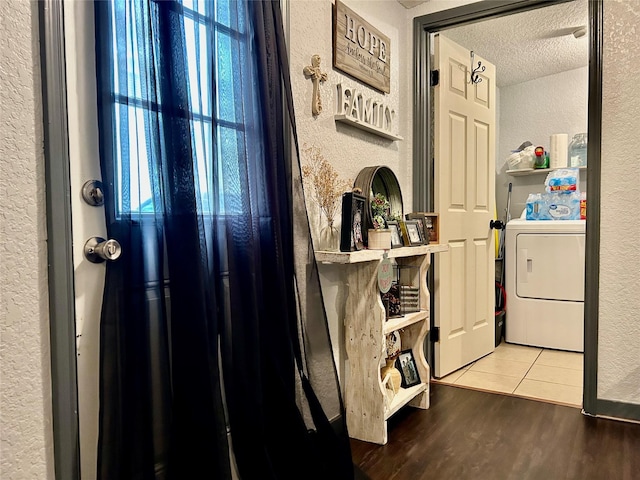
<point x="161" y="410"/>
<point x="212" y="319"/>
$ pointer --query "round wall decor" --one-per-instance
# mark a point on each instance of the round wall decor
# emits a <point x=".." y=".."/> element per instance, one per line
<point x="380" y="179"/>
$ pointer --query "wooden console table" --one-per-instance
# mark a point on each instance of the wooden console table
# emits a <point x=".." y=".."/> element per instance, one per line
<point x="365" y="330"/>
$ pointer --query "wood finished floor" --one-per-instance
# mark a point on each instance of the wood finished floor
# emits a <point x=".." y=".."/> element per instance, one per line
<point x="469" y="434"/>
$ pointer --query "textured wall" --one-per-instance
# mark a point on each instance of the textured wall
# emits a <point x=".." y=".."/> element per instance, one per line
<point x="619" y="317"/>
<point x="533" y="111"/>
<point x="348" y="149"/>
<point x="25" y="384"/>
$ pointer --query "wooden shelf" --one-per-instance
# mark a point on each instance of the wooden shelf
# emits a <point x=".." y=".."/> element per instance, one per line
<point x="365" y="328"/>
<point x="394" y="324"/>
<point x="404" y="396"/>
<point x="534" y="171"/>
<point x="373" y="255"/>
<point x="366" y="127"/>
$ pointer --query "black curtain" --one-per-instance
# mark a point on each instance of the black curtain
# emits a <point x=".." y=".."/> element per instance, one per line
<point x="204" y="194"/>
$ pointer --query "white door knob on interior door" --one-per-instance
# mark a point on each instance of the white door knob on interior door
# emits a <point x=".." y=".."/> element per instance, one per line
<point x="97" y="250"/>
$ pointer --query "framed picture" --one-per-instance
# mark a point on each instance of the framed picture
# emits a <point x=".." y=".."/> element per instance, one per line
<point x="396" y="234"/>
<point x="429" y="224"/>
<point x="411" y="233"/>
<point x="406" y="364"/>
<point x="391" y="301"/>
<point x="353" y="227"/>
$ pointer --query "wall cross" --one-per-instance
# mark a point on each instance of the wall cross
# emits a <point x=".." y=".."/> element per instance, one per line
<point x="313" y="72"/>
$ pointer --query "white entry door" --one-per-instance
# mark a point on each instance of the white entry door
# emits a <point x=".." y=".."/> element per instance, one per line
<point x="464" y="146"/>
<point x="87" y="221"/>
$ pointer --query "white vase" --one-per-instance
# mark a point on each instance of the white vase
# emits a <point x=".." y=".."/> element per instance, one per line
<point x="379" y="239"/>
<point x="329" y="239"/>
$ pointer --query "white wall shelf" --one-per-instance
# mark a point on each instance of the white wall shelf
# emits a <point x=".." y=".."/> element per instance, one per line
<point x="367" y="127"/>
<point x="370" y="255"/>
<point x="534" y="171"/>
<point x="366" y="325"/>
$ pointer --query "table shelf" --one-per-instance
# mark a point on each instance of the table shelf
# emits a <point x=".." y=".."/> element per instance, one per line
<point x="366" y="326"/>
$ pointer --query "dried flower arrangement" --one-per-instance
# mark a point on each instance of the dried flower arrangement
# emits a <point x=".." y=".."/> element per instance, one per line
<point x="326" y="188"/>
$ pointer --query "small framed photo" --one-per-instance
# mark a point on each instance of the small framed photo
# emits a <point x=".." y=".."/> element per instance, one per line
<point x="429" y="224"/>
<point x="396" y="234"/>
<point x="391" y="301"/>
<point x="412" y="233"/>
<point x="406" y="364"/>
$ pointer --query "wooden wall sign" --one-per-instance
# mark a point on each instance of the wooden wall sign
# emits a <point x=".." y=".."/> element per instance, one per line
<point x="367" y="114"/>
<point x="360" y="50"/>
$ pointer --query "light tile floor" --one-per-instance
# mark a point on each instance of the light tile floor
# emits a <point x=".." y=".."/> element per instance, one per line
<point x="549" y="375"/>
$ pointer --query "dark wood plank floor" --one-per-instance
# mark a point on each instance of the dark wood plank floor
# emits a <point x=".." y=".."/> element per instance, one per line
<point x="467" y="434"/>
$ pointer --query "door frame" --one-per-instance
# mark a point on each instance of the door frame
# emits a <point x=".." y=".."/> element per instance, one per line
<point x="58" y="202"/>
<point x="423" y="159"/>
<point x="62" y="318"/>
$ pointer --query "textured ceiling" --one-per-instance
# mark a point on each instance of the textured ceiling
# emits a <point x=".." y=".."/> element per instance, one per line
<point x="411" y="3"/>
<point x="529" y="45"/>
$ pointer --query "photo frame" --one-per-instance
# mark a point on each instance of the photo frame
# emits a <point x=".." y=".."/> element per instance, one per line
<point x="353" y="222"/>
<point x="406" y="365"/>
<point x="429" y="223"/>
<point x="411" y="233"/>
<point x="391" y="301"/>
<point x="396" y="234"/>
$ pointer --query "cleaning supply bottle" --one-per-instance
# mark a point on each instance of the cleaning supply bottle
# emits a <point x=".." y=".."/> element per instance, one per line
<point x="578" y="150"/>
<point x="542" y="159"/>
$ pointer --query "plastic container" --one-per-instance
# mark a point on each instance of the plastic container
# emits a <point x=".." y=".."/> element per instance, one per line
<point x="553" y="206"/>
<point x="563" y="180"/>
<point x="522" y="160"/>
<point x="578" y="150"/>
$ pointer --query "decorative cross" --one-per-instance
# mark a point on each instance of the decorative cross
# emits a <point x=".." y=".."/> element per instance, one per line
<point x="313" y="71"/>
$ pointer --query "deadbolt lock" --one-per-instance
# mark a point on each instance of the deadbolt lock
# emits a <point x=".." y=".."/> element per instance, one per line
<point x="93" y="193"/>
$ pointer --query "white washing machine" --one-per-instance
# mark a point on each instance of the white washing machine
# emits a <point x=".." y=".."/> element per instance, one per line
<point x="545" y="283"/>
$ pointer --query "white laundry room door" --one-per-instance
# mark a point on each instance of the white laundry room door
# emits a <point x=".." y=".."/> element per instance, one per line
<point x="87" y="221"/>
<point x="464" y="179"/>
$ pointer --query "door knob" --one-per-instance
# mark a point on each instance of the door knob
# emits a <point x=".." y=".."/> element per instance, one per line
<point x="97" y="250"/>
<point x="497" y="224"/>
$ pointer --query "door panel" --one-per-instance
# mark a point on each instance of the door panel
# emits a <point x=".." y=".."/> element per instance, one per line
<point x="457" y="78"/>
<point x="457" y="286"/>
<point x="481" y="288"/>
<point x="457" y="155"/>
<point x="482" y="134"/>
<point x="464" y="199"/>
<point x="87" y="221"/>
<point x="482" y="91"/>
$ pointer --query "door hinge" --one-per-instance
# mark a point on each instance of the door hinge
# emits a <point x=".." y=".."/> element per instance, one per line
<point x="435" y="77"/>
<point x="435" y="334"/>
